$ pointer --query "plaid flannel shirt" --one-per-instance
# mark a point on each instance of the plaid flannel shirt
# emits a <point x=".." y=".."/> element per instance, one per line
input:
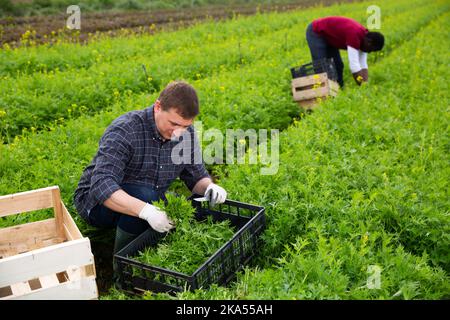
<point x="132" y="151"/>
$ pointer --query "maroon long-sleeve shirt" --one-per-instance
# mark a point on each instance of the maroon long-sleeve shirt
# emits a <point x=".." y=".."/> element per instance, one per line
<point x="340" y="32"/>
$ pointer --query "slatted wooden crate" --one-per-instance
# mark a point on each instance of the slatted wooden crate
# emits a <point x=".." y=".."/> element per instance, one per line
<point x="47" y="259"/>
<point x="309" y="91"/>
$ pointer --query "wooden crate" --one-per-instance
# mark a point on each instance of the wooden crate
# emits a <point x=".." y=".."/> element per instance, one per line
<point x="309" y="91"/>
<point x="48" y="259"/>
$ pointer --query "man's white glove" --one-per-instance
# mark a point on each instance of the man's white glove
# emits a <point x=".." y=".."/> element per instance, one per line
<point x="156" y="218"/>
<point x="215" y="194"/>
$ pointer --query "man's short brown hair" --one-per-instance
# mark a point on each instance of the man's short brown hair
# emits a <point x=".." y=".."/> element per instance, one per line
<point x="182" y="97"/>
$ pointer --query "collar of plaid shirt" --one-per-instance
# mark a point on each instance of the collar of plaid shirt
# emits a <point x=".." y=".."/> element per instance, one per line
<point x="150" y="113"/>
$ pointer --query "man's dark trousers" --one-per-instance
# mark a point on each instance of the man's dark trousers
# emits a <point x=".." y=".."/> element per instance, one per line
<point x="321" y="49"/>
<point x="128" y="227"/>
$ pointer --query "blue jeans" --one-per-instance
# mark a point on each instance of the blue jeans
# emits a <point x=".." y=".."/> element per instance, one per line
<point x="321" y="49"/>
<point x="103" y="217"/>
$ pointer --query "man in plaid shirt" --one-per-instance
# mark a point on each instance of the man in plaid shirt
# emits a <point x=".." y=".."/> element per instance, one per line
<point x="134" y="166"/>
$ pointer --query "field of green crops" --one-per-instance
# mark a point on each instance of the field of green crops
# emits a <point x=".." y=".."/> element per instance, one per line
<point x="45" y="7"/>
<point x="362" y="181"/>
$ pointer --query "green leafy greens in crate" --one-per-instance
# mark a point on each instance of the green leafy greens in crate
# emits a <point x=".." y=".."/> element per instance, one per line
<point x="190" y="243"/>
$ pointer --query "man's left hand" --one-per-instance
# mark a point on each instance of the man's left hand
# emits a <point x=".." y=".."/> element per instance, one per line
<point x="216" y="194"/>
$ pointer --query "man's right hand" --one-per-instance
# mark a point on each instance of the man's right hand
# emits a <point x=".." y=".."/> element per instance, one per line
<point x="365" y="74"/>
<point x="156" y="218"/>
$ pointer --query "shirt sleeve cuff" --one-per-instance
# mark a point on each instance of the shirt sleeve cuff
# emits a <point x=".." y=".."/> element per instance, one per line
<point x="363" y="60"/>
<point x="104" y="191"/>
<point x="353" y="59"/>
<point x="190" y="183"/>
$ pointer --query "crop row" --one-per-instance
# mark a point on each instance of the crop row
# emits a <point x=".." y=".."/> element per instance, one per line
<point x="361" y="190"/>
<point x="36" y="101"/>
<point x="30" y="59"/>
<point x="230" y="99"/>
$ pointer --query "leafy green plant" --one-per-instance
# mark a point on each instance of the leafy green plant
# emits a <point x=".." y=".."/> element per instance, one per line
<point x="186" y="247"/>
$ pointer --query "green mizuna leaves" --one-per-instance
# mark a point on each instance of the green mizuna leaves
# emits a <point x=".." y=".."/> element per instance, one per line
<point x="191" y="243"/>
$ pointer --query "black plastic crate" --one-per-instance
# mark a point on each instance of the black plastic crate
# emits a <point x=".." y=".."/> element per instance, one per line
<point x="249" y="222"/>
<point x="315" y="67"/>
